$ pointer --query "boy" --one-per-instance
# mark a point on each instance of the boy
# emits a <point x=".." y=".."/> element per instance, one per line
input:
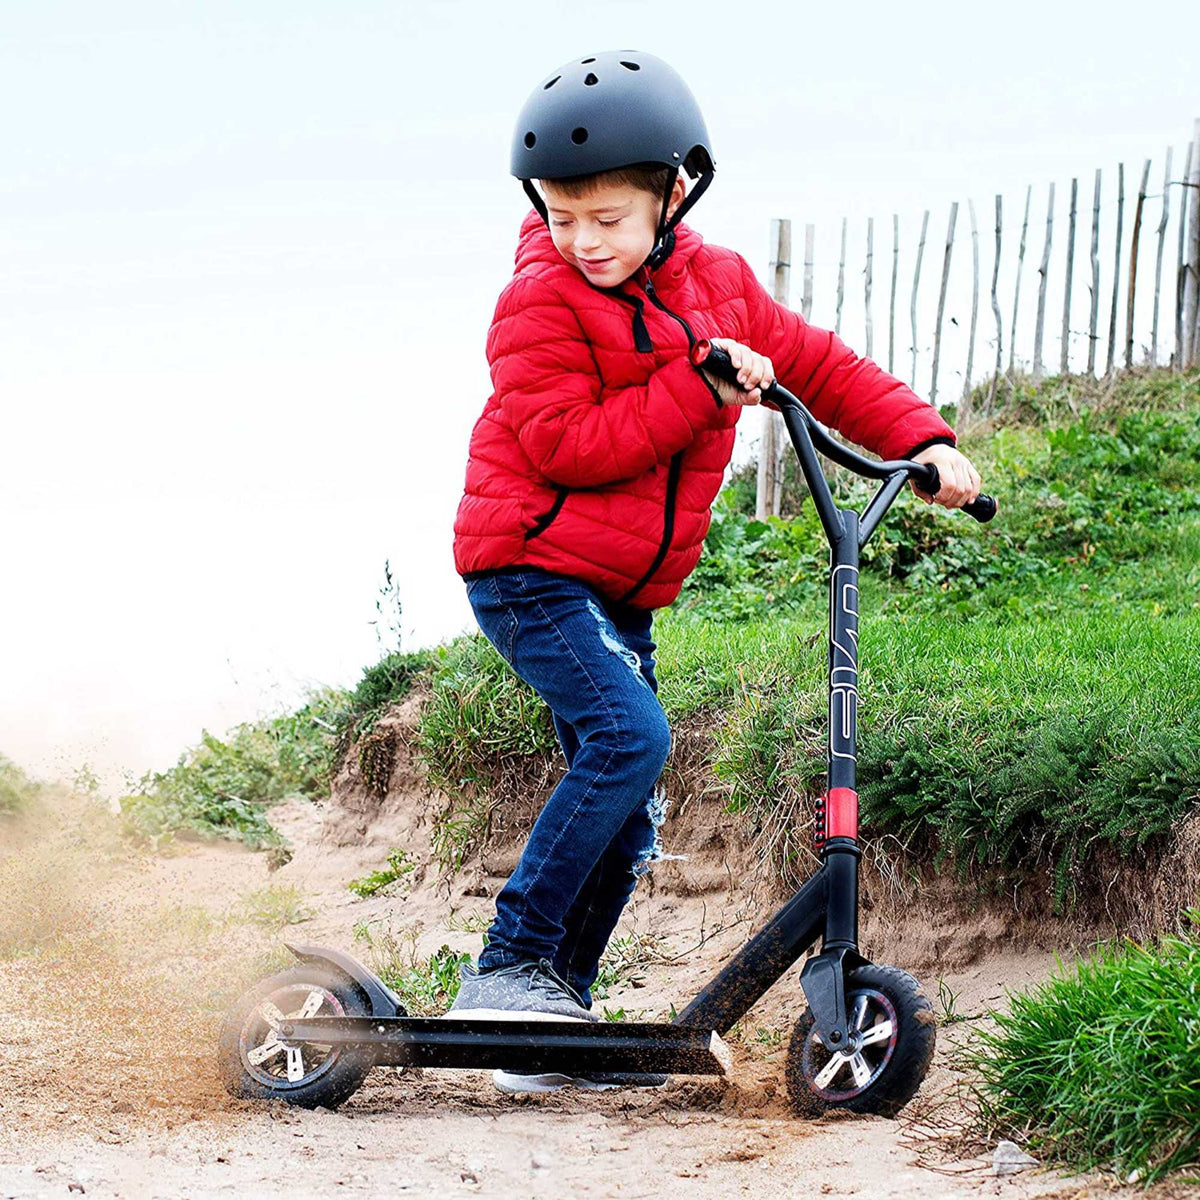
<point x="590" y="479"/>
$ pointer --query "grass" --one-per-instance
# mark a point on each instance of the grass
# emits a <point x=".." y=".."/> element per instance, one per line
<point x="275" y="906"/>
<point x="398" y="865"/>
<point x="1097" y="1067"/>
<point x="16" y="791"/>
<point x="426" y="986"/>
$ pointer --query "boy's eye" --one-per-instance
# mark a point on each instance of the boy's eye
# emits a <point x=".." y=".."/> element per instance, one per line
<point x="616" y="222"/>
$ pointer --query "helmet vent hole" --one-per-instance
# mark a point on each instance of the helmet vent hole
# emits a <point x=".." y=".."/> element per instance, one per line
<point x="579" y="136"/>
<point x="552" y="82"/>
<point x="591" y="79"/>
<point x="629" y="66"/>
<point x="530" y="139"/>
<point x="584" y="61"/>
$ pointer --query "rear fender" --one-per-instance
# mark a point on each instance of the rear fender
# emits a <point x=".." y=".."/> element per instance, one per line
<point x="384" y="1002"/>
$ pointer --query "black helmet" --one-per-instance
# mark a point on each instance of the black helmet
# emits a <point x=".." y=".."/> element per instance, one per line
<point x="610" y="110"/>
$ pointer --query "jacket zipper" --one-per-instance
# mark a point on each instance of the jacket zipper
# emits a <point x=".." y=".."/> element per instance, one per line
<point x="668" y="527"/>
<point x="676" y="466"/>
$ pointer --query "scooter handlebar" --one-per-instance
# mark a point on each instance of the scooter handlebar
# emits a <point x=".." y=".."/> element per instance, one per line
<point x="716" y="361"/>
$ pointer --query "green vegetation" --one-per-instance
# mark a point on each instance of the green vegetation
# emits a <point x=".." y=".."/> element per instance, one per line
<point x="397" y="866"/>
<point x="1097" y="1067"/>
<point x="224" y="786"/>
<point x="275" y="906"/>
<point x="15" y="789"/>
<point x="426" y="986"/>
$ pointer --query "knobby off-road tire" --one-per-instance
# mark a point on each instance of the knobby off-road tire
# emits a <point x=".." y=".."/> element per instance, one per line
<point x="306" y="1075"/>
<point x="892" y="1062"/>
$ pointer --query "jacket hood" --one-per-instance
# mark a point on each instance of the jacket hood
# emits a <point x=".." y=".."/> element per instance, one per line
<point x="535" y="245"/>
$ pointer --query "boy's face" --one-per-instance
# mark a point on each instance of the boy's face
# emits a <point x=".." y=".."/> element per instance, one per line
<point x="608" y="233"/>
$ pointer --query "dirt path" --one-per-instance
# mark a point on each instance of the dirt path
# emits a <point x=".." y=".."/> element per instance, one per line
<point x="108" y="1030"/>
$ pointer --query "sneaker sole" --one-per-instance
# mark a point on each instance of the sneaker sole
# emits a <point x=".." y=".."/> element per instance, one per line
<point x="507" y="1081"/>
<point x="511" y="1014"/>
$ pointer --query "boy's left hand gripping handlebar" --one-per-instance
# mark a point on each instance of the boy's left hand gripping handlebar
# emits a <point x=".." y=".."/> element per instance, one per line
<point x="717" y="361"/>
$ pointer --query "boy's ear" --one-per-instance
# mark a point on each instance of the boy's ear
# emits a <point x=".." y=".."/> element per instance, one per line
<point x="677" y="194"/>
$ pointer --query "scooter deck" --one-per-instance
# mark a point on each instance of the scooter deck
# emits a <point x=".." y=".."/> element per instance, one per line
<point x="528" y="1047"/>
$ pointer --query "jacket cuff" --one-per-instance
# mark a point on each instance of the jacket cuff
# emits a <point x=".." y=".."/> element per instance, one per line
<point x="941" y="440"/>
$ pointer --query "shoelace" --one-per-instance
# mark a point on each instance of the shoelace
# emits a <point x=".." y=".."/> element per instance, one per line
<point x="546" y="981"/>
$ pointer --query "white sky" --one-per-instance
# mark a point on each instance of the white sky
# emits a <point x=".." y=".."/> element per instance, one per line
<point x="249" y="251"/>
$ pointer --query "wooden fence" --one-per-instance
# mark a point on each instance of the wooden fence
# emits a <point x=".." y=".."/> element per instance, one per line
<point x="1155" y="277"/>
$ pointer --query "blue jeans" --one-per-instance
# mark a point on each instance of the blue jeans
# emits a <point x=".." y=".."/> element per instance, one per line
<point x="593" y="665"/>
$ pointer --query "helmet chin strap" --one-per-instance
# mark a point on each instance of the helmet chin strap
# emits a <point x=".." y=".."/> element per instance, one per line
<point x="664" y="242"/>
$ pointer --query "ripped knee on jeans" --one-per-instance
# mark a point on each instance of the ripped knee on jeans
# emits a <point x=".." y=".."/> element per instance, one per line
<point x="652" y="852"/>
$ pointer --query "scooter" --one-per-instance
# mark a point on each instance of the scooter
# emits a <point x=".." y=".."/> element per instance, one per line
<point x="310" y="1034"/>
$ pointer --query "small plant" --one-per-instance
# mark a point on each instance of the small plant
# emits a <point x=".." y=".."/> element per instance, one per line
<point x="426" y="986"/>
<point x="398" y="865"/>
<point x="476" y="922"/>
<point x="623" y="961"/>
<point x="275" y="906"/>
<point x="15" y="789"/>
<point x="948" y="1002"/>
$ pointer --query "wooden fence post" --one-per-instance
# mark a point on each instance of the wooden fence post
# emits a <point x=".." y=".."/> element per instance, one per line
<point x="841" y="292"/>
<point x="1064" y="362"/>
<point x="1133" y="253"/>
<point x="1012" y="337"/>
<point x="810" y="233"/>
<point x="974" y="298"/>
<point x="996" y="308"/>
<point x="1158" y="261"/>
<point x="870" y="341"/>
<point x="1044" y="272"/>
<point x="916" y="281"/>
<point x="1191" y="302"/>
<point x="937" y="336"/>
<point x="1094" y="317"/>
<point x="766" y="500"/>
<point x="1116" y="294"/>
<point x="1180" y="269"/>
<point x="892" y="304"/>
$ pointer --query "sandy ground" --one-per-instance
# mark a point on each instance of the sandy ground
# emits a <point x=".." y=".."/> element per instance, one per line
<point x="109" y="1017"/>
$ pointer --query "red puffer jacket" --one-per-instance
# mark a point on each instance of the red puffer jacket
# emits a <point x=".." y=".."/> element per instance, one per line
<point x="602" y="448"/>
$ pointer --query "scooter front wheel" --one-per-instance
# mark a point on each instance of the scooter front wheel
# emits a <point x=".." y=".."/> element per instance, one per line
<point x="892" y="1035"/>
<point x="257" y="1063"/>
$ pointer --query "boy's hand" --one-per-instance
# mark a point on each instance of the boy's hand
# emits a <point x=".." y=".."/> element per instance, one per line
<point x="755" y="372"/>
<point x="960" y="480"/>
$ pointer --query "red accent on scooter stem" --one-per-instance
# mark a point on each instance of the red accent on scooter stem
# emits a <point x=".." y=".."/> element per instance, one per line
<point x="841" y="813"/>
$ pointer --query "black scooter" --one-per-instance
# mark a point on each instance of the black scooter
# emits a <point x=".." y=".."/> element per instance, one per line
<point x="310" y="1034"/>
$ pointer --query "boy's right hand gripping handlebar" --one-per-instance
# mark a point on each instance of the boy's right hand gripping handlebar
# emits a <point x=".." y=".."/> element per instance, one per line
<point x="717" y="361"/>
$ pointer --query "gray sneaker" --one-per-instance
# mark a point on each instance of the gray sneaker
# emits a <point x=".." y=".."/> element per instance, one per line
<point x="597" y="1081"/>
<point x="529" y="991"/>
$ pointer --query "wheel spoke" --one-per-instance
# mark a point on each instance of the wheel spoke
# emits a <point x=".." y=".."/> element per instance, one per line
<point x="877" y="1033"/>
<point x="310" y="1007"/>
<point x="862" y="1073"/>
<point x="827" y="1074"/>
<point x="271" y="1015"/>
<point x="268" y="1049"/>
<point x="295" y="1064"/>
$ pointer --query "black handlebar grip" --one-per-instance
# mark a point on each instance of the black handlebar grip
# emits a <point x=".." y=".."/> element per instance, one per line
<point x="983" y="508"/>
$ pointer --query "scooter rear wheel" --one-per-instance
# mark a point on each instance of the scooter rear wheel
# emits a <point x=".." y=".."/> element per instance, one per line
<point x="892" y="1032"/>
<point x="256" y="1063"/>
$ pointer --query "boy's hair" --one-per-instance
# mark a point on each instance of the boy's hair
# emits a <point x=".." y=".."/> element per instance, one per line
<point x="646" y="177"/>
